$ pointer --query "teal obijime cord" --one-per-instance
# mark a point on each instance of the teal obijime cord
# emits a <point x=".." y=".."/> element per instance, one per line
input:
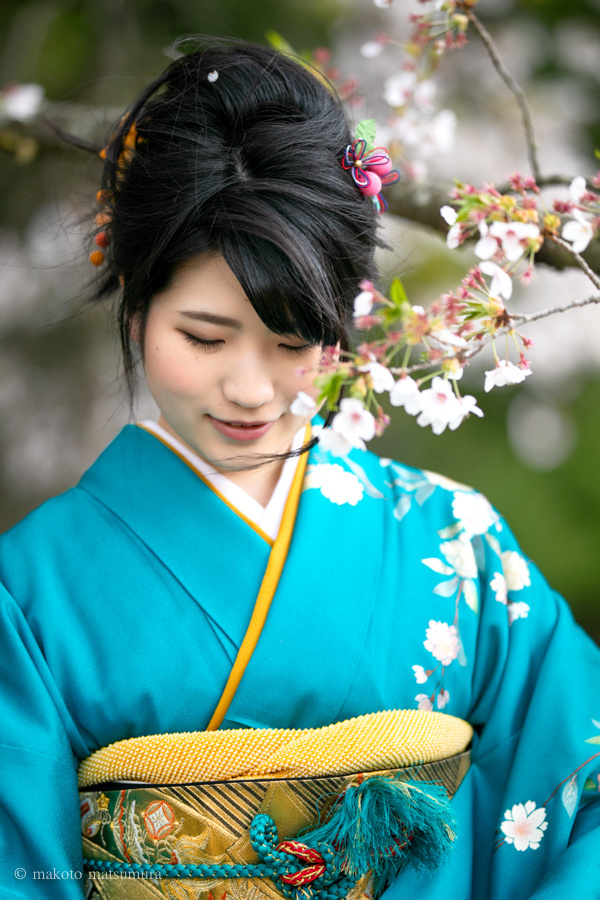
<point x="377" y="826"/>
<point x="301" y="872"/>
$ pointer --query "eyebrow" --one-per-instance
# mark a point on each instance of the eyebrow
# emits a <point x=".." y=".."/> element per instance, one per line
<point x="213" y="318"/>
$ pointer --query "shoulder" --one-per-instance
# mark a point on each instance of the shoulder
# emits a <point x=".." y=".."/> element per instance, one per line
<point x="362" y="474"/>
<point x="57" y="539"/>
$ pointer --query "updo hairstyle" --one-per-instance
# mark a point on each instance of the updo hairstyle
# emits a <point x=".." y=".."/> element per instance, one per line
<point x="247" y="164"/>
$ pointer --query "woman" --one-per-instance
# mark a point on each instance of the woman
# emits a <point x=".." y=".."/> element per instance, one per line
<point x="136" y="603"/>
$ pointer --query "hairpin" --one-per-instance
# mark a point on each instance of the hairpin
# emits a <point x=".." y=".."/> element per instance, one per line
<point x="371" y="169"/>
<point x="104" y="217"/>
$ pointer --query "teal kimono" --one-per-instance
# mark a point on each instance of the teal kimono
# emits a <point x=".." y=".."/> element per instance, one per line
<point x="125" y="599"/>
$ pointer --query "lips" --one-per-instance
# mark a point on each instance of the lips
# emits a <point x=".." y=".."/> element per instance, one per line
<point x="241" y="431"/>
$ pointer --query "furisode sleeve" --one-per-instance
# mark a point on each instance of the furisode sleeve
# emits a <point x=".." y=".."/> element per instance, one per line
<point x="40" y="831"/>
<point x="536" y="764"/>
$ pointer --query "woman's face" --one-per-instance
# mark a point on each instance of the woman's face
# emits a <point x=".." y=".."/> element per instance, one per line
<point x="222" y="380"/>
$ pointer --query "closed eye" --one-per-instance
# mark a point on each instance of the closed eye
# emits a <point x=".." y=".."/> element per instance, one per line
<point x="200" y="342"/>
<point x="303" y="348"/>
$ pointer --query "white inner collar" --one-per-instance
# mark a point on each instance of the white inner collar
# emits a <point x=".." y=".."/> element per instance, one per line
<point x="268" y="518"/>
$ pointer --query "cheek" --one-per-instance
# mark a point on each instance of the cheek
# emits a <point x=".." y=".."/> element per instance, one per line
<point x="304" y="372"/>
<point x="170" y="369"/>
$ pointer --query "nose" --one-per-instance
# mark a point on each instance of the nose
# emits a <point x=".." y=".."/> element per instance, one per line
<point x="249" y="383"/>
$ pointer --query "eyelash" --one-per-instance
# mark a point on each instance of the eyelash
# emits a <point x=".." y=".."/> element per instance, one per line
<point x="199" y="342"/>
<point x="211" y="345"/>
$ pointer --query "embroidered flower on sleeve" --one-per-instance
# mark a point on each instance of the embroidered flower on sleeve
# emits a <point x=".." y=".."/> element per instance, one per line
<point x="516" y="570"/>
<point x="498" y="585"/>
<point x="421" y="674"/>
<point x="474" y="512"/>
<point x="424" y="702"/>
<point x="459" y="555"/>
<point x="442" y="641"/>
<point x="335" y="483"/>
<point x="524" y="825"/>
<point x="517" y="610"/>
<point x="442" y="699"/>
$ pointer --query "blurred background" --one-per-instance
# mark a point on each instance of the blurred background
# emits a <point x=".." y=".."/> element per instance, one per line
<point x="536" y="452"/>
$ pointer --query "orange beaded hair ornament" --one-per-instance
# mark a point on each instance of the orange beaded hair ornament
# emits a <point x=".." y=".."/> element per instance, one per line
<point x="104" y="217"/>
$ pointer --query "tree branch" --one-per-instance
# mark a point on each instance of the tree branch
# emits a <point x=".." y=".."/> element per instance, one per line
<point x="420" y="202"/>
<point x="515" y="322"/>
<point x="580" y="261"/>
<point x="511" y="84"/>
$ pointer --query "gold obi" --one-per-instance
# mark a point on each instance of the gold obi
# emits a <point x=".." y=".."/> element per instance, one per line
<point x="223" y="815"/>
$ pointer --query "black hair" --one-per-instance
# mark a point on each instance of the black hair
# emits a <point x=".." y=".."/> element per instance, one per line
<point x="246" y="164"/>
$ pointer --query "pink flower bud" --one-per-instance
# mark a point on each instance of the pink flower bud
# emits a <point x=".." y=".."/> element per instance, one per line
<point x="381" y="168"/>
<point x="374" y="186"/>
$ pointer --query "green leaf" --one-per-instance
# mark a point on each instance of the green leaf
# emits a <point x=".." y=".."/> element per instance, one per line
<point x="597" y="154"/>
<point x="365" y="130"/>
<point x="398" y="294"/>
<point x="278" y="42"/>
<point x="590" y="785"/>
<point x="594" y="740"/>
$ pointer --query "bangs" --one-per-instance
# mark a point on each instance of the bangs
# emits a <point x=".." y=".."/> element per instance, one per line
<point x="291" y="287"/>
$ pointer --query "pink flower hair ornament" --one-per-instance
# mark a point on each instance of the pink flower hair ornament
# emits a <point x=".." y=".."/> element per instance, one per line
<point x="370" y="170"/>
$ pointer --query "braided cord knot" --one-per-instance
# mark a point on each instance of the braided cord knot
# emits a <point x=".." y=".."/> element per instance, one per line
<point x="299" y="872"/>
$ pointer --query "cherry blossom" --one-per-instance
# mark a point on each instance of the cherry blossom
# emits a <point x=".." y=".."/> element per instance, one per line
<point x="460" y="556"/>
<point x="513" y="237"/>
<point x="579" y="233"/>
<point x="515" y="570"/>
<point x="517" y="610"/>
<point x="333" y="442"/>
<point x="442" y="699"/>
<point x="424" y="702"/>
<point x="505" y="373"/>
<point x="424" y="95"/>
<point x="354" y="423"/>
<point x="363" y="304"/>
<point x="577" y="189"/>
<point x="501" y="283"/>
<point x="448" y="214"/>
<point x="382" y="378"/>
<point x="474" y="512"/>
<point x="438" y="133"/>
<point x="420" y="674"/>
<point x="454" y="235"/>
<point x="335" y="483"/>
<point x="440" y="407"/>
<point x="498" y="585"/>
<point x="487" y="245"/>
<point x="22" y="102"/>
<point x="303" y="405"/>
<point x="442" y="641"/>
<point x="524" y="825"/>
<point x="448" y="340"/>
<point x="399" y="88"/>
<point x="371" y="49"/>
<point x="467" y="405"/>
<point x="406" y="393"/>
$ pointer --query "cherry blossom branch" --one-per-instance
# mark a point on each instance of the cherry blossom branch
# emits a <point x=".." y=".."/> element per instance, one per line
<point x="580" y="261"/>
<point x="515" y="322"/>
<point x="420" y="202"/>
<point x="510" y="82"/>
<point x="524" y="318"/>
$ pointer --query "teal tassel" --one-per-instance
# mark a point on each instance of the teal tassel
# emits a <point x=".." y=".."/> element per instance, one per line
<point x="385" y="823"/>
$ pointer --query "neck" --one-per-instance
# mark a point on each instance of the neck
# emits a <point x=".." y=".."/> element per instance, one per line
<point x="258" y="482"/>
